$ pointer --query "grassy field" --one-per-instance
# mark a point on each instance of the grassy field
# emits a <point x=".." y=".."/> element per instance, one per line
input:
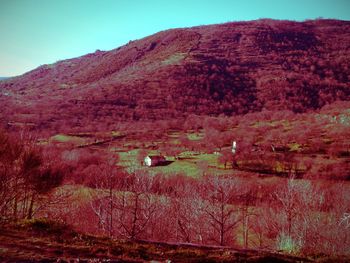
<point x="193" y="163"/>
<point x="192" y="153"/>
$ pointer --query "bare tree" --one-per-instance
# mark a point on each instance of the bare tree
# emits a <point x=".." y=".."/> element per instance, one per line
<point x="135" y="206"/>
<point x="186" y="204"/>
<point x="25" y="176"/>
<point x="287" y="197"/>
<point x="221" y="213"/>
<point x="300" y="202"/>
<point x="103" y="197"/>
<point x="262" y="227"/>
<point x="247" y="209"/>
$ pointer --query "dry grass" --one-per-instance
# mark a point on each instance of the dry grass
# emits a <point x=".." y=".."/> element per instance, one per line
<point x="45" y="241"/>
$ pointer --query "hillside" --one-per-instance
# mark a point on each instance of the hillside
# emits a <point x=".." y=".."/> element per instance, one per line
<point x="38" y="241"/>
<point x="76" y="134"/>
<point x="231" y="68"/>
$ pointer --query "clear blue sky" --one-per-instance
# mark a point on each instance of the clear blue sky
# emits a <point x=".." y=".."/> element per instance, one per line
<point x="36" y="32"/>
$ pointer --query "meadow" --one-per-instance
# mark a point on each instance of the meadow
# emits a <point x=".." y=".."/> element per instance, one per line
<point x="282" y="190"/>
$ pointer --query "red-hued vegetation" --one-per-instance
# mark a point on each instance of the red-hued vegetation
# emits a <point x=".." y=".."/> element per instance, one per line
<point x="76" y="134"/>
<point x="231" y="68"/>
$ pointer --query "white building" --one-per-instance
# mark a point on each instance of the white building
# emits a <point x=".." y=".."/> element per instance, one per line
<point x="234" y="147"/>
<point x="154" y="160"/>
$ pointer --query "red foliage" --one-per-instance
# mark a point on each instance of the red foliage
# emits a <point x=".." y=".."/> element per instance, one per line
<point x="233" y="68"/>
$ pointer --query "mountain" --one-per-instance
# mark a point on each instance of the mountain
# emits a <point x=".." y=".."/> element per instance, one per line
<point x="231" y="68"/>
<point x="3" y="78"/>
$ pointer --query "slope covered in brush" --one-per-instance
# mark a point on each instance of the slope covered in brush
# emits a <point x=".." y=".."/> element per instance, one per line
<point x="231" y="68"/>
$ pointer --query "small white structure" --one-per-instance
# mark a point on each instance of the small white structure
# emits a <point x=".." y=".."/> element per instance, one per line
<point x="154" y="160"/>
<point x="234" y="147"/>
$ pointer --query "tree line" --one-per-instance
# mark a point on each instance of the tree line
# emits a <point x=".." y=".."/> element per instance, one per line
<point x="27" y="177"/>
<point x="296" y="216"/>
